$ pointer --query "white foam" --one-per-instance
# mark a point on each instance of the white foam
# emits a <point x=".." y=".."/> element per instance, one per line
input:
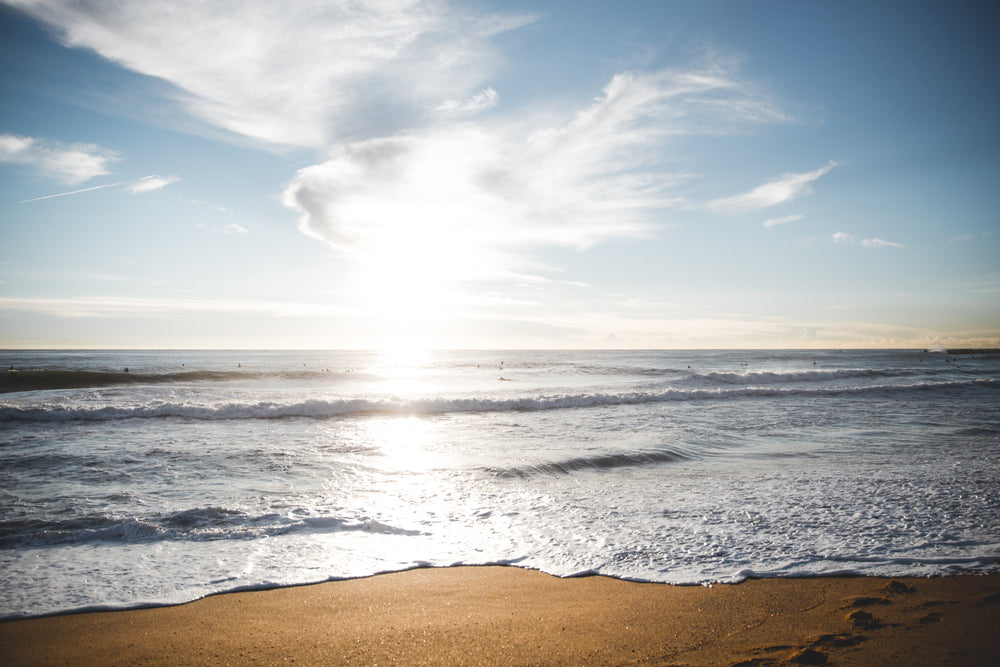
<point x="331" y="408"/>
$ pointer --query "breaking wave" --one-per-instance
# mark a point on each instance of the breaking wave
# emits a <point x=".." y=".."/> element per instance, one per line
<point x="199" y="524"/>
<point x="52" y="379"/>
<point x="595" y="463"/>
<point x="334" y="408"/>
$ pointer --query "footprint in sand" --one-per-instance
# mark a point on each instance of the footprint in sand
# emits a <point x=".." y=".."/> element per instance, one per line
<point x="898" y="587"/>
<point x="988" y="600"/>
<point x="838" y="641"/>
<point x="864" y="601"/>
<point x="808" y="656"/>
<point x="862" y="620"/>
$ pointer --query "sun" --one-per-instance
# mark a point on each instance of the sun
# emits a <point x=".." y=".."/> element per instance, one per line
<point x="404" y="289"/>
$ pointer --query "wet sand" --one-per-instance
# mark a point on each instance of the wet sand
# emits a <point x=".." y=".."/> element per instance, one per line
<point x="510" y="616"/>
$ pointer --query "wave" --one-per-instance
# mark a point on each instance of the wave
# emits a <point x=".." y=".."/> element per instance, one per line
<point x="199" y="524"/>
<point x="335" y="408"/>
<point x="595" y="463"/>
<point x="771" y="377"/>
<point x="51" y="379"/>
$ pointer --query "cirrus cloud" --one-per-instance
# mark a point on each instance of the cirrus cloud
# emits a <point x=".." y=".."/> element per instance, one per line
<point x="880" y="243"/>
<point x="771" y="223"/>
<point x="150" y="183"/>
<point x="844" y="237"/>
<point x="778" y="191"/>
<point x="481" y="101"/>
<point x="236" y="67"/>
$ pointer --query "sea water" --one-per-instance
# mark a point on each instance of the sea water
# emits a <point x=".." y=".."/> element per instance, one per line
<point x="145" y="478"/>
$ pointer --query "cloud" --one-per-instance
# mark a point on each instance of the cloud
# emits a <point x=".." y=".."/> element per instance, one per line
<point x="477" y="197"/>
<point x="879" y="243"/>
<point x="844" y="237"/>
<point x="150" y="183"/>
<point x="113" y="306"/>
<point x="234" y="229"/>
<point x="786" y="188"/>
<point x="774" y="222"/>
<point x="481" y="101"/>
<point x="961" y="238"/>
<point x="298" y="73"/>
<point x="390" y="86"/>
<point x="71" y="164"/>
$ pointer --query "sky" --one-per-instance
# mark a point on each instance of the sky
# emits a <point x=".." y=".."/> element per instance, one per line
<point x="380" y="174"/>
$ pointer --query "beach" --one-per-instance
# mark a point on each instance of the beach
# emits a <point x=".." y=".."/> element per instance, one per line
<point x="504" y="615"/>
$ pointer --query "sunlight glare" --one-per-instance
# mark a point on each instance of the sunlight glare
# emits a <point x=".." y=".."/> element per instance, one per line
<point x="404" y="441"/>
<point x="405" y="285"/>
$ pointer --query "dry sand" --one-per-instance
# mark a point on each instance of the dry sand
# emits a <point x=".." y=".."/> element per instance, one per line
<point x="509" y="616"/>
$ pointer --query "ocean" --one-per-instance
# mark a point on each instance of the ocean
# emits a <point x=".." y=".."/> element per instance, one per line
<point x="144" y="478"/>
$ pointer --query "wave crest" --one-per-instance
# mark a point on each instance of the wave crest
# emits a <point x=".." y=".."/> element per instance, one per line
<point x="198" y="524"/>
<point x="595" y="463"/>
<point x="334" y="408"/>
<point x="52" y="379"/>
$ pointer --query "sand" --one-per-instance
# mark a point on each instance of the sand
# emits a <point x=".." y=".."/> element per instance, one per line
<point x="510" y="616"/>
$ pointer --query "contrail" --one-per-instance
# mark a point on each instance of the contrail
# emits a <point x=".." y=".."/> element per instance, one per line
<point x="74" y="192"/>
<point x="96" y="187"/>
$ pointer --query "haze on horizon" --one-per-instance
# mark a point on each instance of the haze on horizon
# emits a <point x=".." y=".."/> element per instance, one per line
<point x="333" y="174"/>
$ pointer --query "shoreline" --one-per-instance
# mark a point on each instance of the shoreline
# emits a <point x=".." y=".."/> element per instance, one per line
<point x="508" y="615"/>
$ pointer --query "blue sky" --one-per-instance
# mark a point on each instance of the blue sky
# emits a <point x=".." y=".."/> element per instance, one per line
<point x="499" y="175"/>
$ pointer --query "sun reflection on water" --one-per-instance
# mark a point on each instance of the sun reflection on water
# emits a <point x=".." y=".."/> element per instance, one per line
<point x="406" y="443"/>
<point x="403" y="370"/>
<point x="411" y="486"/>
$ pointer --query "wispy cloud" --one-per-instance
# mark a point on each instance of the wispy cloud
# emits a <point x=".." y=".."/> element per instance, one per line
<point x="786" y="188"/>
<point x="481" y="101"/>
<point x="114" y="306"/>
<point x="71" y="164"/>
<point x="988" y="284"/>
<point x="150" y="183"/>
<point x="961" y="238"/>
<point x="880" y="243"/>
<point x="844" y="237"/>
<point x="494" y="191"/>
<point x="301" y="73"/>
<point x="771" y="223"/>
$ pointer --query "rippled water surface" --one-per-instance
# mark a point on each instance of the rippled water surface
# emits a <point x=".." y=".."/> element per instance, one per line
<point x="197" y="472"/>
